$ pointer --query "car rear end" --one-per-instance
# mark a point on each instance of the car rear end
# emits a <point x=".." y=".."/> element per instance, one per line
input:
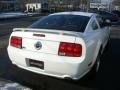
<point x="47" y="53"/>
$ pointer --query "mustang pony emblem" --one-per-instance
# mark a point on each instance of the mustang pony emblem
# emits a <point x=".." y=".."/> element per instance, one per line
<point x="38" y="45"/>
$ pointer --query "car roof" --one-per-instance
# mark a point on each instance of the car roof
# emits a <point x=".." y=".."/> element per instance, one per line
<point x="74" y="13"/>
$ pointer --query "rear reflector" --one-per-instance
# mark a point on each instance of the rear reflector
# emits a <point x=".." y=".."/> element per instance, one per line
<point x="16" y="42"/>
<point x="70" y="49"/>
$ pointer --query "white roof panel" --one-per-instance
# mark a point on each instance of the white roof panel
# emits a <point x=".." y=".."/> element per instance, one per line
<point x="74" y="13"/>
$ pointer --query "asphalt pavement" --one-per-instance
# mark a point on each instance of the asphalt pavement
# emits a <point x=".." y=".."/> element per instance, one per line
<point x="106" y="79"/>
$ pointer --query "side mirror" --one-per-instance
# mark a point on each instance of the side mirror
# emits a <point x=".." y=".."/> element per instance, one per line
<point x="107" y="22"/>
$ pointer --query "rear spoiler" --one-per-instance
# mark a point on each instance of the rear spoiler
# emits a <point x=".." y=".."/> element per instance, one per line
<point x="50" y="31"/>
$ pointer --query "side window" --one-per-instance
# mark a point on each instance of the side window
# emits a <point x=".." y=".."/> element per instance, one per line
<point x="94" y="25"/>
<point x="100" y="21"/>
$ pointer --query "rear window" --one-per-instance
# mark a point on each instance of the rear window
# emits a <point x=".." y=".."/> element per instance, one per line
<point x="62" y="22"/>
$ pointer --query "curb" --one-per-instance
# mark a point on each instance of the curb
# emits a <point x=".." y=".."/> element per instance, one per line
<point x="13" y="17"/>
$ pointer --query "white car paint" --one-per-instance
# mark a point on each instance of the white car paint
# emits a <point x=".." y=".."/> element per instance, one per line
<point x="55" y="65"/>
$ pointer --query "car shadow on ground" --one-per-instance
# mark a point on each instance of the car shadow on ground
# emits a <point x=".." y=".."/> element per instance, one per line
<point x="108" y="76"/>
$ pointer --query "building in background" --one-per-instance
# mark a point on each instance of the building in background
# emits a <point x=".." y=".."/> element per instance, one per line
<point x="34" y="5"/>
<point x="23" y="5"/>
<point x="9" y="5"/>
<point x="101" y="5"/>
<point x="57" y="5"/>
<point x="43" y="5"/>
<point x="63" y="5"/>
<point x="116" y="4"/>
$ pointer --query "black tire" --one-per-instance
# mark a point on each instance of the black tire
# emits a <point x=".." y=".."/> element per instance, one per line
<point x="107" y="46"/>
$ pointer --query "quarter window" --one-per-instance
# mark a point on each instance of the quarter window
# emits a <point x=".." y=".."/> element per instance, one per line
<point x="94" y="25"/>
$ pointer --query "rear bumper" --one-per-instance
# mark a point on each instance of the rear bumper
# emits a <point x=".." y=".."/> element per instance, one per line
<point x="54" y="65"/>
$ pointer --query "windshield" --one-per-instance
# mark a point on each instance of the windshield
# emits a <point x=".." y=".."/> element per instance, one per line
<point x="62" y="22"/>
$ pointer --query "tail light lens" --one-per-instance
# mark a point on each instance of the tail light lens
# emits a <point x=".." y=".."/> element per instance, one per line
<point x="70" y="49"/>
<point x="16" y="42"/>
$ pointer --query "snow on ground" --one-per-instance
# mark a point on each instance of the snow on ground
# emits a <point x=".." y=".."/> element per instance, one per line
<point x="12" y="15"/>
<point x="13" y="86"/>
<point x="8" y="85"/>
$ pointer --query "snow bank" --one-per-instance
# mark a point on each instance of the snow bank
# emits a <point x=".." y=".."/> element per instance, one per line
<point x="13" y="86"/>
<point x="9" y="85"/>
<point x="12" y="15"/>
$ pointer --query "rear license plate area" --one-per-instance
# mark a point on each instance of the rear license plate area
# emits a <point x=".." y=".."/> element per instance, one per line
<point x="35" y="63"/>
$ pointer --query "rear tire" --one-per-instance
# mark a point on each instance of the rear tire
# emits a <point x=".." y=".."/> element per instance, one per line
<point x="107" y="46"/>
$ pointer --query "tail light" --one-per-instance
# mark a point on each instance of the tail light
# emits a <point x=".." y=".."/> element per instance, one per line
<point x="16" y="42"/>
<point x="70" y="49"/>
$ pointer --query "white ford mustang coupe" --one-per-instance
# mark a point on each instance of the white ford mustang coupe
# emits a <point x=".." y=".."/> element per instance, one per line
<point x="65" y="45"/>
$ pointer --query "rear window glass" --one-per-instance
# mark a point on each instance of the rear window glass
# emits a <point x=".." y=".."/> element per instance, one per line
<point x="62" y="22"/>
